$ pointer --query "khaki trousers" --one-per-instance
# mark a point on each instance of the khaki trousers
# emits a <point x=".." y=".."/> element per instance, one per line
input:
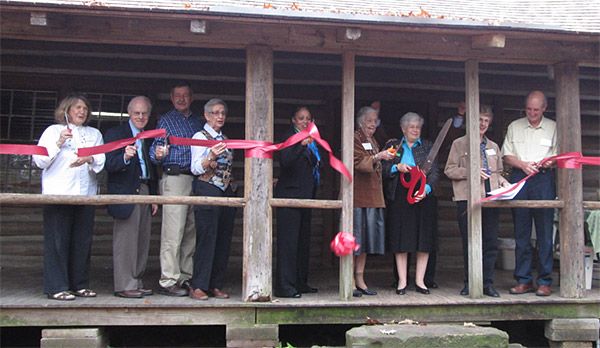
<point x="178" y="232"/>
<point x="131" y="243"/>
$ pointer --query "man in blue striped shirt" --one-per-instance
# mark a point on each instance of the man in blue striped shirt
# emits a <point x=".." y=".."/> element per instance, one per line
<point x="178" y="234"/>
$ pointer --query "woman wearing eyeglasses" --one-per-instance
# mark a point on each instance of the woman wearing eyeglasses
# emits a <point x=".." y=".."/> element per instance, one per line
<point x="214" y="224"/>
<point x="68" y="228"/>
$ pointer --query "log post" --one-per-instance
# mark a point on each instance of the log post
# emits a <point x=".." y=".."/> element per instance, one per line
<point x="346" y="189"/>
<point x="473" y="180"/>
<point x="258" y="177"/>
<point x="570" y="181"/>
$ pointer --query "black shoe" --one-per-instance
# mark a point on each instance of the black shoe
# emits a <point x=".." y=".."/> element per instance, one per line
<point x="422" y="290"/>
<point x="465" y="291"/>
<point x="401" y="291"/>
<point x="173" y="290"/>
<point x="431" y="284"/>
<point x="367" y="291"/>
<point x="356" y="293"/>
<point x="292" y="295"/>
<point x="490" y="291"/>
<point x="308" y="290"/>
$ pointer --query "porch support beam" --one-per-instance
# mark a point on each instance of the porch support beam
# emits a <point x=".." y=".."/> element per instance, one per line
<point x="474" y="180"/>
<point x="348" y="81"/>
<point x="570" y="181"/>
<point x="258" y="176"/>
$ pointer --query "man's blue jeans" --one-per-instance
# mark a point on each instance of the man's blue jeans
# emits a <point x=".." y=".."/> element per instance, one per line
<point x="539" y="187"/>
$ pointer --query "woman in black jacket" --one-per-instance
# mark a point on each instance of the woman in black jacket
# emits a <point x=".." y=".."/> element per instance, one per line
<point x="410" y="228"/>
<point x="299" y="178"/>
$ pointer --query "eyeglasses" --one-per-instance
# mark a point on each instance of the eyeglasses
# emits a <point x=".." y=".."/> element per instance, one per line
<point x="140" y="114"/>
<point x="217" y="113"/>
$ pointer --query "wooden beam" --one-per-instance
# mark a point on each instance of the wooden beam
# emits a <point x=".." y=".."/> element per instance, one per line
<point x="306" y="203"/>
<point x="258" y="176"/>
<point x="554" y="204"/>
<point x="346" y="189"/>
<point x="306" y="37"/>
<point x="488" y="41"/>
<point x="570" y="181"/>
<point x="473" y="180"/>
<point x="40" y="199"/>
<point x="593" y="205"/>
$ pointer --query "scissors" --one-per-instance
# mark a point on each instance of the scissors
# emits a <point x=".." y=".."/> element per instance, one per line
<point x="417" y="178"/>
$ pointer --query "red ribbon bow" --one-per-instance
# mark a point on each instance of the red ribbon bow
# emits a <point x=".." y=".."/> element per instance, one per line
<point x="343" y="244"/>
<point x="416" y="176"/>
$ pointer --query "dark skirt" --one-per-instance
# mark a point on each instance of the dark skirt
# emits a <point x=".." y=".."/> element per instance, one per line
<point x="369" y="230"/>
<point x="411" y="227"/>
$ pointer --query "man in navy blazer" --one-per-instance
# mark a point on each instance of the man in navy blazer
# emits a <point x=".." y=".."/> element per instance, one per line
<point x="131" y="172"/>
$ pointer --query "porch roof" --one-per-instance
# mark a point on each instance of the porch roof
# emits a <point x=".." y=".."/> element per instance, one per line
<point x="576" y="16"/>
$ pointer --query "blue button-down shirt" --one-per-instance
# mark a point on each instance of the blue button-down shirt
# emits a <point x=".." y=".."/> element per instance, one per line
<point x="176" y="124"/>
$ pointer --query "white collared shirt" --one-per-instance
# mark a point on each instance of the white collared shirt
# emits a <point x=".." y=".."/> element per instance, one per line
<point x="58" y="177"/>
<point x="528" y="143"/>
<point x="200" y="153"/>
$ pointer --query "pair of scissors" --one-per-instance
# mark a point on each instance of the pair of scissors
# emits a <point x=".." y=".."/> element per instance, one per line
<point x="417" y="178"/>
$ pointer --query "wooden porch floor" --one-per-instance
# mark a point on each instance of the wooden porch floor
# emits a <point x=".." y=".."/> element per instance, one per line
<point x="23" y="304"/>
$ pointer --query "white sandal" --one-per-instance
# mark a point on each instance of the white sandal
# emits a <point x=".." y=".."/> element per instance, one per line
<point x="84" y="293"/>
<point x="62" y="296"/>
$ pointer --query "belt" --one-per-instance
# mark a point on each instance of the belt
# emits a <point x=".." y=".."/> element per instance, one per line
<point x="174" y="169"/>
<point x="144" y="181"/>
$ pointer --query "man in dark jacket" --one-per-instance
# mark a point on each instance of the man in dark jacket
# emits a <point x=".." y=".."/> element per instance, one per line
<point x="130" y="172"/>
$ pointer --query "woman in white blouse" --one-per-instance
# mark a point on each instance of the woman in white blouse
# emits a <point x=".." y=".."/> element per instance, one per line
<point x="68" y="228"/>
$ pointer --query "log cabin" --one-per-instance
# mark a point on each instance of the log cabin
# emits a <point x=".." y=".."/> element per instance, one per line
<point x="264" y="59"/>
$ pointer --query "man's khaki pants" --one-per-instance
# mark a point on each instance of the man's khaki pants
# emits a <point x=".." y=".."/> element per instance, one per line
<point x="178" y="232"/>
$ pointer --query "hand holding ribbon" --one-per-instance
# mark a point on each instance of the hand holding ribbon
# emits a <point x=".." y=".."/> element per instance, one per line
<point x="568" y="160"/>
<point x="118" y="144"/>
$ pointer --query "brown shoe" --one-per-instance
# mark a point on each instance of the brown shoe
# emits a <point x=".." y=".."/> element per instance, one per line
<point x="198" y="294"/>
<point x="219" y="294"/>
<point x="146" y="292"/>
<point x="129" y="294"/>
<point x="522" y="289"/>
<point x="544" y="290"/>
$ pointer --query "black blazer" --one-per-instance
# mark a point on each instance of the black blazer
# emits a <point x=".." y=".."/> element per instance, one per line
<point x="296" y="165"/>
<point x="390" y="181"/>
<point x="125" y="178"/>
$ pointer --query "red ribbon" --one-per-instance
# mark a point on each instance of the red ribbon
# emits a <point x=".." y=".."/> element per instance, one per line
<point x="16" y="149"/>
<point x="118" y="144"/>
<point x="343" y="244"/>
<point x="264" y="149"/>
<point x="568" y="160"/>
<point x="416" y="176"/>
<point x="253" y="148"/>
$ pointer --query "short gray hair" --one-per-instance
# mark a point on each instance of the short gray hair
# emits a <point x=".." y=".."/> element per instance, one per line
<point x="214" y="101"/>
<point x="139" y="98"/>
<point x="486" y="109"/>
<point x="362" y="113"/>
<point x="411" y="117"/>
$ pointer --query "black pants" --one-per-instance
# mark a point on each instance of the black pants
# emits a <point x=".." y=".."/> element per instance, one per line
<point x="293" y="247"/>
<point x="214" y="228"/>
<point x="489" y="235"/>
<point x="68" y="233"/>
